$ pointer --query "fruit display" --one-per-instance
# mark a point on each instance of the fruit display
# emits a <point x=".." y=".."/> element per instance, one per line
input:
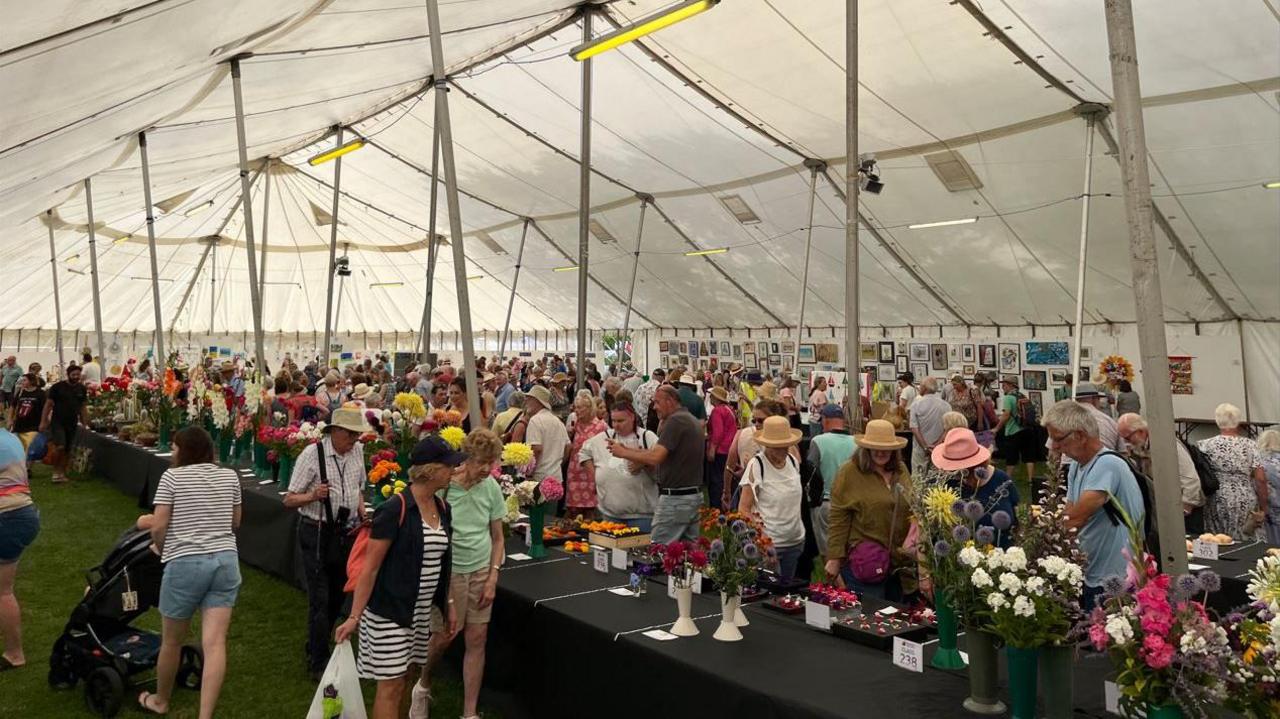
<point x="557" y="535"/>
<point x="573" y="546"/>
<point x="609" y="529"/>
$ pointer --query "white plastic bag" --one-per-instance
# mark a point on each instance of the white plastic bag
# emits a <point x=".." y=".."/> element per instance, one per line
<point x="341" y="673"/>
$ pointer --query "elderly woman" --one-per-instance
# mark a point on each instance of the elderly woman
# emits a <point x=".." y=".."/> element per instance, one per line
<point x="869" y="543"/>
<point x="1269" y="453"/>
<point x="772" y="491"/>
<point x="580" y="489"/>
<point x="332" y="394"/>
<point x="1241" y="501"/>
<point x="406" y="572"/>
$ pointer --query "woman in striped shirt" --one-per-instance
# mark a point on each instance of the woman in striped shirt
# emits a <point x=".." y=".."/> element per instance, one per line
<point x="406" y="570"/>
<point x="197" y="514"/>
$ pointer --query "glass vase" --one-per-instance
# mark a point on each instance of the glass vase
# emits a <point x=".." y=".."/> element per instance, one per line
<point x="1164" y="711"/>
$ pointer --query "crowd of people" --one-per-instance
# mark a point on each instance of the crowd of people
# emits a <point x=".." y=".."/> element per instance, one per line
<point x="649" y="452"/>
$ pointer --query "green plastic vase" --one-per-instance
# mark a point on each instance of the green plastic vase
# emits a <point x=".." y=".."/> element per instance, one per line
<point x="1164" y="711"/>
<point x="1056" y="684"/>
<point x="164" y="444"/>
<point x="260" y="466"/>
<point x="537" y="514"/>
<point x="286" y="472"/>
<point x="947" y="656"/>
<point x="224" y="446"/>
<point x="1023" y="675"/>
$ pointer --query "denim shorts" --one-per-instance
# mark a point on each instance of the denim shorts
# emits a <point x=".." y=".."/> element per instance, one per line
<point x="202" y="581"/>
<point x="18" y="529"/>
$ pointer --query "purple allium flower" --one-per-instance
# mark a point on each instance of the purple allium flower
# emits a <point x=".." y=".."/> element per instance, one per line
<point x="1210" y="581"/>
<point x="960" y="533"/>
<point x="973" y="510"/>
<point x="1113" y="585"/>
<point x="771" y="552"/>
<point x="1186" y="585"/>
<point x="741" y="563"/>
<point x="750" y="551"/>
<point x="738" y="527"/>
<point x="957" y="507"/>
<point x="985" y="535"/>
<point x="1001" y="520"/>
<point x="941" y="548"/>
<point x="717" y="546"/>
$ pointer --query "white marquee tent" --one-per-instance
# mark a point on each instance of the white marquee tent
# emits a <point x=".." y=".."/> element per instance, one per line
<point x="971" y="111"/>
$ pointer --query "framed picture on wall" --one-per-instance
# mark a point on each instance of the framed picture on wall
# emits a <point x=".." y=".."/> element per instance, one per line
<point x="919" y="352"/>
<point x="886" y="352"/>
<point x="953" y="355"/>
<point x="683" y="360"/>
<point x="987" y="356"/>
<point x="1034" y="379"/>
<point x="867" y="352"/>
<point x="920" y="370"/>
<point x="663" y="361"/>
<point x="664" y="346"/>
<point x="1059" y="375"/>
<point x="714" y="364"/>
<point x="737" y="350"/>
<point x="968" y="370"/>
<point x="938" y="356"/>
<point x="804" y="372"/>
<point x="724" y="348"/>
<point x="775" y="360"/>
<point x="807" y="354"/>
<point x="682" y="348"/>
<point x="901" y="348"/>
<point x="703" y="363"/>
<point x="1037" y="399"/>
<point x="901" y="364"/>
<point x="788" y="347"/>
<point x="827" y="352"/>
<point x="1048" y="353"/>
<point x="967" y="354"/>
<point x="1010" y="357"/>
<point x="773" y="348"/>
<point x="749" y="360"/>
<point x="886" y="373"/>
<point x="786" y="363"/>
<point x="693" y="349"/>
<point x="1086" y="354"/>
<point x="1086" y="371"/>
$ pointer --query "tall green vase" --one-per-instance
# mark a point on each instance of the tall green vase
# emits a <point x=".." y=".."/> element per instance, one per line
<point x="286" y="472"/>
<point x="1023" y="677"/>
<point x="947" y="656"/>
<point x="984" y="672"/>
<point x="224" y="445"/>
<point x="260" y="467"/>
<point x="164" y="444"/>
<point x="1164" y="711"/>
<point x="1056" y="682"/>
<point x="537" y="514"/>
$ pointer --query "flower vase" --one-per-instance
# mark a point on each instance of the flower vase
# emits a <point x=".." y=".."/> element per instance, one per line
<point x="684" y="626"/>
<point x="224" y="446"/>
<point x="1164" y="711"/>
<point x="984" y="670"/>
<point x="947" y="656"/>
<point x="739" y="616"/>
<point x="1056" y="681"/>
<point x="164" y="445"/>
<point x="260" y="466"/>
<point x="1022" y="681"/>
<point x="286" y="472"/>
<point x="728" y="631"/>
<point x="537" y="513"/>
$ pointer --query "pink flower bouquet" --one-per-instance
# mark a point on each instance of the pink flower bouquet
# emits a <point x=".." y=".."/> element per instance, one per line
<point x="550" y="489"/>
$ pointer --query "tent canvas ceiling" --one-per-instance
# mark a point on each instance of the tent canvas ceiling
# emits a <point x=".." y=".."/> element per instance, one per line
<point x="727" y="104"/>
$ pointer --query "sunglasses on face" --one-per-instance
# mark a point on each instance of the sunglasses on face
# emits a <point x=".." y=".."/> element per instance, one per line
<point x="757" y="421"/>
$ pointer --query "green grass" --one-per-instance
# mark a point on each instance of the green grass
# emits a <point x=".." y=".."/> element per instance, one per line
<point x="265" y="673"/>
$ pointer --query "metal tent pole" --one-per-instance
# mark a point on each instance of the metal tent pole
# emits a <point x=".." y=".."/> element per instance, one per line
<point x="266" y="219"/>
<point x="333" y="250"/>
<point x="161" y="358"/>
<point x="433" y="240"/>
<point x="93" y="271"/>
<point x="815" y="166"/>
<point x="511" y="302"/>
<point x="455" y="213"/>
<point x="584" y="206"/>
<point x="337" y="310"/>
<point x="1090" y="118"/>
<point x="645" y="199"/>
<point x="851" y="213"/>
<point x="1148" y="300"/>
<point x="57" y="300"/>
<point x="246" y="204"/>
<point x="213" y="282"/>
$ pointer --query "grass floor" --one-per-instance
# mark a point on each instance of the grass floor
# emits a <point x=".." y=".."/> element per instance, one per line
<point x="265" y="674"/>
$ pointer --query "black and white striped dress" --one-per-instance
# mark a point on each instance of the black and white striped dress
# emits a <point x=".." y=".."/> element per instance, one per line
<point x="386" y="648"/>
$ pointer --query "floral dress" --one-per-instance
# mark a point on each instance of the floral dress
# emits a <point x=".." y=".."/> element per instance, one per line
<point x="1271" y="468"/>
<point x="581" y="489"/>
<point x="1234" y="459"/>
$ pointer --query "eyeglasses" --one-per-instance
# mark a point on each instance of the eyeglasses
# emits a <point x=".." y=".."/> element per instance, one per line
<point x="757" y="421"/>
<point x="1059" y="439"/>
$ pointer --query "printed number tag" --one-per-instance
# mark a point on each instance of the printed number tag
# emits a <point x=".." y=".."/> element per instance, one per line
<point x="817" y="615"/>
<point x="600" y="559"/>
<point x="1200" y="549"/>
<point x="129" y="601"/>
<point x="908" y="655"/>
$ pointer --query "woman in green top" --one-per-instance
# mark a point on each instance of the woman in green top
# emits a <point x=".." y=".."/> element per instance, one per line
<point x="870" y="502"/>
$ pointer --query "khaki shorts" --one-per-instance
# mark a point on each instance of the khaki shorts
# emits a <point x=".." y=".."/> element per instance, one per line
<point x="465" y="590"/>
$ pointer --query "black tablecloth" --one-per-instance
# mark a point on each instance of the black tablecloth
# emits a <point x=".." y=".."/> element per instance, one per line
<point x="1233" y="565"/>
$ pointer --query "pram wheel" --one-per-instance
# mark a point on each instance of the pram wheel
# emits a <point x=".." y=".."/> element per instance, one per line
<point x="62" y="675"/>
<point x="104" y="691"/>
<point x="191" y="668"/>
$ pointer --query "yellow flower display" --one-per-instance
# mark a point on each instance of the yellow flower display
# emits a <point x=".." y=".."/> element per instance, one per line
<point x="938" y="501"/>
<point x="517" y="454"/>
<point x="411" y="406"/>
<point x="453" y="435"/>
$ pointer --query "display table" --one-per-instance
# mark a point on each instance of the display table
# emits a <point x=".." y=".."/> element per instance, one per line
<point x="1233" y="565"/>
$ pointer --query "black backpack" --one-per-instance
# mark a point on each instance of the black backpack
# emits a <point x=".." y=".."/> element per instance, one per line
<point x="1148" y="500"/>
<point x="1204" y="469"/>
<point x="1027" y="415"/>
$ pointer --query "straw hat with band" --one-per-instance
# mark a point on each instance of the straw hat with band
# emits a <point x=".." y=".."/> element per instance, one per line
<point x="719" y="394"/>
<point x="559" y="377"/>
<point x="959" y="451"/>
<point x="879" y="435"/>
<point x="777" y="432"/>
<point x="361" y="391"/>
<point x="541" y="394"/>
<point x="332" y="377"/>
<point x="350" y="419"/>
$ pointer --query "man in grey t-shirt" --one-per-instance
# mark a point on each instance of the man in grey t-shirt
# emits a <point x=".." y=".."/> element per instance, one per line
<point x="926" y="422"/>
<point x="678" y="458"/>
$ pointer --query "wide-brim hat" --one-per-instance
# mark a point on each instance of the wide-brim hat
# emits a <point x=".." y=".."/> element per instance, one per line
<point x="1087" y="389"/>
<point x="487" y="377"/>
<point x="735" y="369"/>
<point x="348" y="418"/>
<point x="880" y="435"/>
<point x="361" y="391"/>
<point x="960" y="450"/>
<point x="540" y="393"/>
<point x="777" y="432"/>
<point x="719" y="394"/>
<point x="228" y="366"/>
<point x="559" y="377"/>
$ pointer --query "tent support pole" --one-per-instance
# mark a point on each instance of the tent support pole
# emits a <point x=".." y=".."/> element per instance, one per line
<point x="333" y="252"/>
<point x="1244" y="366"/>
<point x="57" y="300"/>
<point x="511" y="303"/>
<point x="246" y="204"/>
<point x="1147" y="294"/>
<point x="266" y="218"/>
<point x="161" y="358"/>
<point x="455" y="212"/>
<point x="851" y="189"/>
<point x="1090" y="119"/>
<point x="213" y="282"/>
<point x="814" y="167"/>
<point x="584" y="205"/>
<point x="433" y="242"/>
<point x="645" y="199"/>
<point x="93" y="271"/>
<point x="337" y="310"/>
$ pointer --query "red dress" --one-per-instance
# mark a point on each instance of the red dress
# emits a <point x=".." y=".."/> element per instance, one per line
<point x="580" y="491"/>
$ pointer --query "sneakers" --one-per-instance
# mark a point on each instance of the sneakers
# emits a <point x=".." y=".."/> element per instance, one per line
<point x="419" y="707"/>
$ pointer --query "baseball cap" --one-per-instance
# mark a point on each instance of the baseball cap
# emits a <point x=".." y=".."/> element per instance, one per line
<point x="832" y="411"/>
<point x="434" y="450"/>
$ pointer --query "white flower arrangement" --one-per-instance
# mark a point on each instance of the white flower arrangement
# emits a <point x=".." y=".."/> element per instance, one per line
<point x="1031" y="604"/>
<point x="219" y="413"/>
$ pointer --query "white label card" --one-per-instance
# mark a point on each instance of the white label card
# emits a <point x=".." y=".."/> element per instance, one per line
<point x="697" y="582"/>
<point x="129" y="601"/>
<point x="618" y="559"/>
<point x="1201" y="549"/>
<point x="888" y="611"/>
<point x="600" y="559"/>
<point x="521" y="557"/>
<point x="622" y="591"/>
<point x="266" y="481"/>
<point x="908" y="655"/>
<point x="660" y="635"/>
<point x="817" y="615"/>
<point x="1196" y="567"/>
<point x="1111" y="696"/>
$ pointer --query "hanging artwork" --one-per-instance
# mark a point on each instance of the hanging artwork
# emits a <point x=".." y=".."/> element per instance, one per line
<point x="987" y="356"/>
<point x="1086" y="371"/>
<point x="749" y="360"/>
<point x="886" y="352"/>
<point x="775" y="360"/>
<point x="1048" y="353"/>
<point x="807" y="353"/>
<point x="693" y="349"/>
<point x="938" y="356"/>
<point x="968" y="370"/>
<point x="682" y="348"/>
<point x="966" y="354"/>
<point x="901" y="364"/>
<point x="920" y="370"/>
<point x="663" y="346"/>
<point x="1037" y="399"/>
<point x="867" y="352"/>
<point x="1034" y="379"/>
<point x="737" y="350"/>
<point x="953" y="354"/>
<point x="762" y="348"/>
<point x="919" y="352"/>
<point x="805" y="372"/>
<point x="1010" y="357"/>
<point x="827" y="352"/>
<point x="788" y="347"/>
<point x="1058" y="376"/>
<point x="724" y="348"/>
<point x="902" y="348"/>
<point x="1180" y="375"/>
<point x="886" y="373"/>
<point x="773" y="348"/>
<point x="663" y="361"/>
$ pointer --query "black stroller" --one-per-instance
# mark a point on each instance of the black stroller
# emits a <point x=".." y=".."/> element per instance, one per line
<point x="98" y="644"/>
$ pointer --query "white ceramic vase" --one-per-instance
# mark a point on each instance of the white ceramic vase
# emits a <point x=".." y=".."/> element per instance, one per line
<point x="684" y="626"/>
<point x="728" y="630"/>
<point x="739" y="616"/>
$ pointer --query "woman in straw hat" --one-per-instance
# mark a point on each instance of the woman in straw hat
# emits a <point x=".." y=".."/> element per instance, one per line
<point x="968" y="468"/>
<point x="869" y="539"/>
<point x="771" y="489"/>
<point x="722" y="425"/>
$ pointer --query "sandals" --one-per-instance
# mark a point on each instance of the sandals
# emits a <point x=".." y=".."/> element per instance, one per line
<point x="6" y="665"/>
<point x="143" y="698"/>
